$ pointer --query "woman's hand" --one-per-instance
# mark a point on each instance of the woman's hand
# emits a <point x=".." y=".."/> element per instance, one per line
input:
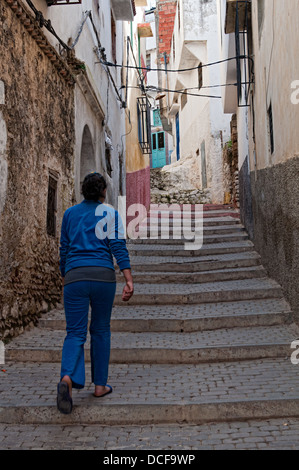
<point x="128" y="290"/>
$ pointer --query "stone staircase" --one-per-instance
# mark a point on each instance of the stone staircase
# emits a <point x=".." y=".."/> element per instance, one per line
<point x="206" y="338"/>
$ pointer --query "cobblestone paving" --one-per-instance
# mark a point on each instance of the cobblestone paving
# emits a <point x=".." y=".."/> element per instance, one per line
<point x="246" y="307"/>
<point x="222" y="337"/>
<point x="158" y="248"/>
<point x="218" y="394"/>
<point x="223" y="257"/>
<point x="173" y="288"/>
<point x="35" y="384"/>
<point x="276" y="434"/>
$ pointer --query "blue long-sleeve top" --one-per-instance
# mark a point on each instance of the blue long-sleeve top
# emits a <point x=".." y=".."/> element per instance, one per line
<point x="91" y="234"/>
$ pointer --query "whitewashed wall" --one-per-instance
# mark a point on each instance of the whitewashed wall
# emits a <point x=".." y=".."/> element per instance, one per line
<point x="202" y="119"/>
<point x="108" y="118"/>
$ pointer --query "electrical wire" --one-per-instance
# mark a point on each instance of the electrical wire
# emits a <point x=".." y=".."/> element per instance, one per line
<point x="103" y="60"/>
<point x="46" y="23"/>
<point x="101" y="51"/>
<point x="149" y="69"/>
<point x="86" y="15"/>
<point x="183" y="92"/>
<point x="152" y="88"/>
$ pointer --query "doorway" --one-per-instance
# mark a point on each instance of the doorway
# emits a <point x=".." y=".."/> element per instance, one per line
<point x="158" y="150"/>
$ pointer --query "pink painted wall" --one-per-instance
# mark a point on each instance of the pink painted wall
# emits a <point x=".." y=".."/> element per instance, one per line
<point x="138" y="188"/>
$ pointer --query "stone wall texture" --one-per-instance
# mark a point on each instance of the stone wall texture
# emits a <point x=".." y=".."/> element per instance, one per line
<point x="165" y="190"/>
<point x="37" y="113"/>
<point x="275" y="196"/>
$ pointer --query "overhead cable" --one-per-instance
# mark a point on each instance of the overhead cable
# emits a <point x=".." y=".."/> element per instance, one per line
<point x="46" y="23"/>
<point x="161" y="69"/>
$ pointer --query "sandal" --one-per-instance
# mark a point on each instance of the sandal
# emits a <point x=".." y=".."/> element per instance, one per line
<point x="104" y="394"/>
<point x="64" y="400"/>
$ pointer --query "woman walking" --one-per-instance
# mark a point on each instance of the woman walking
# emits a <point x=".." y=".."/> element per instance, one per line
<point x="91" y="234"/>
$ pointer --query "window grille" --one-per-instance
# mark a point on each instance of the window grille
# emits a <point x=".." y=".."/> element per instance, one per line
<point x="243" y="37"/>
<point x="144" y="130"/>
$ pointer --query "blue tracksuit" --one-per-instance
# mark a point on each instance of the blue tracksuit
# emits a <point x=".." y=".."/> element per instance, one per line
<point x="91" y="233"/>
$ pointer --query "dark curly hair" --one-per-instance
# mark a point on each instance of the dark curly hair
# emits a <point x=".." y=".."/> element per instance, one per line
<point x="93" y="186"/>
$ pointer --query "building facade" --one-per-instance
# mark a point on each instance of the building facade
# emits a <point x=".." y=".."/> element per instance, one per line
<point x="161" y="140"/>
<point x="192" y="106"/>
<point x="95" y="33"/>
<point x="36" y="155"/>
<point x="266" y="33"/>
<point x="62" y="115"/>
<point x="138" y="132"/>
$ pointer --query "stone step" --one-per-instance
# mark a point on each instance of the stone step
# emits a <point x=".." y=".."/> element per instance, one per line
<point x="167" y="347"/>
<point x="161" y="294"/>
<point x="196" y="263"/>
<point x="166" y="234"/>
<point x="206" y="207"/>
<point x="185" y="318"/>
<point x="216" y="238"/>
<point x="212" y="248"/>
<point x="156" y="394"/>
<point x="177" y="221"/>
<point x="204" y="276"/>
<point x="186" y="212"/>
<point x="276" y="434"/>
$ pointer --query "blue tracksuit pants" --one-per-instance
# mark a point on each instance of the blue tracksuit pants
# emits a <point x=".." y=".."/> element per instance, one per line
<point x="78" y="296"/>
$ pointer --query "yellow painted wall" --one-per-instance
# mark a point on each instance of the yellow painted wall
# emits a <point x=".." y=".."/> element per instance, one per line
<point x="135" y="159"/>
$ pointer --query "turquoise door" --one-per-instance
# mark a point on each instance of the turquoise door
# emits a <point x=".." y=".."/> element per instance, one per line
<point x="158" y="150"/>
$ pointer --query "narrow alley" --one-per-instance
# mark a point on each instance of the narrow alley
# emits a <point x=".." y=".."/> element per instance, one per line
<point x="154" y="143"/>
<point x="200" y="357"/>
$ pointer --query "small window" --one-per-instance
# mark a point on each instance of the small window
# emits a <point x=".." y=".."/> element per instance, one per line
<point x="148" y="61"/>
<point x="161" y="140"/>
<point x="200" y="76"/>
<point x="52" y="207"/>
<point x="154" y="142"/>
<point x="271" y="128"/>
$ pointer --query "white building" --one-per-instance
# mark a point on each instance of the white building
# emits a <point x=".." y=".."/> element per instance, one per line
<point x="232" y="103"/>
<point x="161" y="141"/>
<point x="199" y="126"/>
<point x="94" y="31"/>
